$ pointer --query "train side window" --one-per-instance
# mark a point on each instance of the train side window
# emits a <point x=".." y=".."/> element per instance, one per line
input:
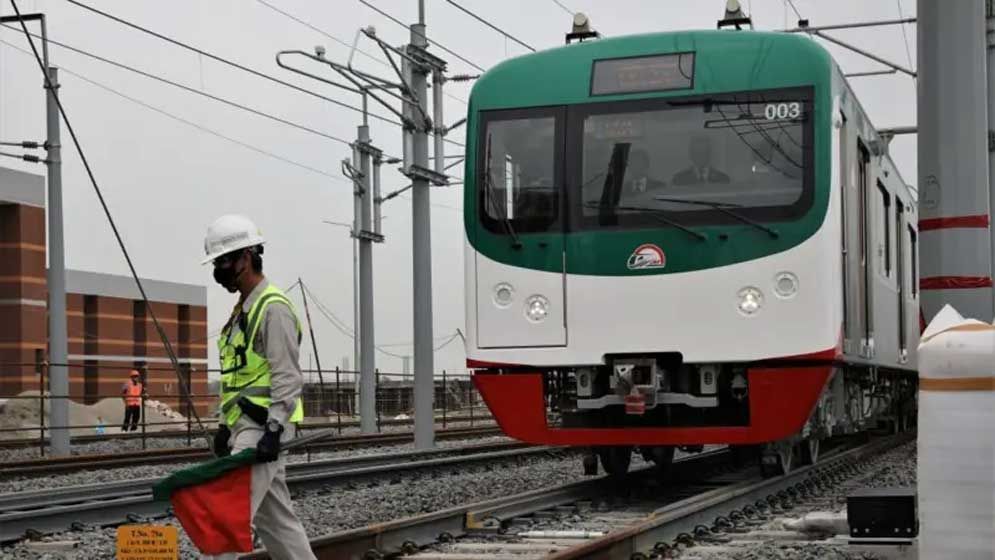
<point x="517" y="178"/>
<point x="885" y="229"/>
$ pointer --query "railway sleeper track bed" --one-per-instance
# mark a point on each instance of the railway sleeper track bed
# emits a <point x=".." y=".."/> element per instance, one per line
<point x="709" y="500"/>
<point x="60" y="465"/>
<point x="34" y="514"/>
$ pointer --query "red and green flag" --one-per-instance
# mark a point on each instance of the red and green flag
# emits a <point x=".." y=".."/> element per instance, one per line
<point x="212" y="500"/>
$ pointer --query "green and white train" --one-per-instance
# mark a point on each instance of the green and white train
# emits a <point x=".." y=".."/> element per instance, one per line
<point x="688" y="238"/>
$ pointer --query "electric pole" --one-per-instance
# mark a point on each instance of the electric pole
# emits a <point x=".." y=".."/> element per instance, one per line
<point x="956" y="251"/>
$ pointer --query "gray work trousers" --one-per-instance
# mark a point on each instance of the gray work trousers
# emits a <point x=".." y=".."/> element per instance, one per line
<point x="273" y="516"/>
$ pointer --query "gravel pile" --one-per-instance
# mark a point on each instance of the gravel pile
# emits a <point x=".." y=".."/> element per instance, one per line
<point x="17" y="484"/>
<point x="353" y="505"/>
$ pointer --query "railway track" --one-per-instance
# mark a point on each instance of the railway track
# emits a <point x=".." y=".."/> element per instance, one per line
<point x="58" y="465"/>
<point x="587" y="519"/>
<point x="29" y="514"/>
<point x="18" y="443"/>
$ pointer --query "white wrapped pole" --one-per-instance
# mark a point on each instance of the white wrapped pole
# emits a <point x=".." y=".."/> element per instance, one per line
<point x="956" y="449"/>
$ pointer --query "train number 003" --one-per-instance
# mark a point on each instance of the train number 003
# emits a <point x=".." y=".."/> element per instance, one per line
<point x="782" y="110"/>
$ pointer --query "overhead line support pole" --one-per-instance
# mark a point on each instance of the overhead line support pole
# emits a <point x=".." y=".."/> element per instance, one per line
<point x="367" y="236"/>
<point x="990" y="56"/>
<point x="58" y="344"/>
<point x="422" y="177"/>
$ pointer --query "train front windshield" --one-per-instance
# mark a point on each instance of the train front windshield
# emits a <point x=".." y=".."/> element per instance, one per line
<point x="646" y="163"/>
<point x="695" y="161"/>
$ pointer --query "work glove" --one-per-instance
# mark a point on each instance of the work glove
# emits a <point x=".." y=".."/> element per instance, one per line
<point x="268" y="448"/>
<point x="221" y="438"/>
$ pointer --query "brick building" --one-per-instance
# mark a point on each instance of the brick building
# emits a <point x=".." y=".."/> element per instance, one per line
<point x="110" y="329"/>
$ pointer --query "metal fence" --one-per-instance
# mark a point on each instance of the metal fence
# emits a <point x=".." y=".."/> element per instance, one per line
<point x="329" y="399"/>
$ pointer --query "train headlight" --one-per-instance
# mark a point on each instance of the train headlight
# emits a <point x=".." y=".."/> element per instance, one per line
<point x="750" y="301"/>
<point x="786" y="285"/>
<point x="536" y="308"/>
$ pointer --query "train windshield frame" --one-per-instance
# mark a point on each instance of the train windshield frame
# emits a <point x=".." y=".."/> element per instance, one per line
<point x="746" y="156"/>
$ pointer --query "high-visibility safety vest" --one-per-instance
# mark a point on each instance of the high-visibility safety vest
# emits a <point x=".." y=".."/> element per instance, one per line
<point x="244" y="372"/>
<point x="133" y="394"/>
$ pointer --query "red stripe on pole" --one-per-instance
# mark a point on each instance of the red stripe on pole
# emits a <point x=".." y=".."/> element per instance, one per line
<point x="955" y="282"/>
<point x="979" y="221"/>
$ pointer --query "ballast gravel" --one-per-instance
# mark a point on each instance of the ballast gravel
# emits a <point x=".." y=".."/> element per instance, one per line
<point x="158" y="441"/>
<point x="18" y="484"/>
<point x="894" y="469"/>
<point x="376" y="500"/>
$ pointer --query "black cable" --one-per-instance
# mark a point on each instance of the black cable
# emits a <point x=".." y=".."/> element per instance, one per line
<point x="320" y="31"/>
<point x="485" y="22"/>
<point x="225" y="61"/>
<point x="183" y="120"/>
<point x="188" y="88"/>
<point x="793" y="8"/>
<point x="433" y="42"/>
<point x="185" y="390"/>
<point x="564" y="8"/>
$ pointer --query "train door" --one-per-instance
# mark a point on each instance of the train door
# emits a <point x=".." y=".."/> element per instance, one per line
<point x="900" y="275"/>
<point x="519" y="242"/>
<point x="864" y="237"/>
<point x="845" y="232"/>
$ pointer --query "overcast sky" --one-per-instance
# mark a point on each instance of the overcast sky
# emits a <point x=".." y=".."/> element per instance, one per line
<point x="165" y="180"/>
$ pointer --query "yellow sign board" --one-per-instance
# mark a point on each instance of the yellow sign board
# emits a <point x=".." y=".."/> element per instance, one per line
<point x="147" y="542"/>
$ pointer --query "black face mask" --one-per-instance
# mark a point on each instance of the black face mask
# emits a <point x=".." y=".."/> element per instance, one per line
<point x="227" y="276"/>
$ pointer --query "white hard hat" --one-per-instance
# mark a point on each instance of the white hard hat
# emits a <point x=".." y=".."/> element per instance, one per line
<point x="230" y="233"/>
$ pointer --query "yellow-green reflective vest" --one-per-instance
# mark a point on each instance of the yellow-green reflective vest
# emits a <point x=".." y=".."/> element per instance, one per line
<point x="245" y="373"/>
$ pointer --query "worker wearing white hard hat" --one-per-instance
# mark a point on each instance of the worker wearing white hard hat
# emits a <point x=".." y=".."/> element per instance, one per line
<point x="261" y="381"/>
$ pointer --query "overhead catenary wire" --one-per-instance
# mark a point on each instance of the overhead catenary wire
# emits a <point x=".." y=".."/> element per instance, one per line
<point x="793" y="8"/>
<point x="905" y="37"/>
<point x="184" y="389"/>
<point x="190" y="89"/>
<point x="227" y="62"/>
<point x="202" y="128"/>
<point x="322" y="32"/>
<point x="564" y="8"/>
<point x="342" y="42"/>
<point x="187" y="122"/>
<point x="343" y="327"/>
<point x="430" y="41"/>
<point x="488" y="24"/>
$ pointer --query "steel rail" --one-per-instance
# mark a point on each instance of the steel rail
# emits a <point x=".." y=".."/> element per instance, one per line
<point x="94" y="438"/>
<point x="665" y="524"/>
<point x="58" y="465"/>
<point x="406" y="535"/>
<point x="52" y="510"/>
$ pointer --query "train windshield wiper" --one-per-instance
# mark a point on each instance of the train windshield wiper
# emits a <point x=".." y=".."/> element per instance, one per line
<point x="724" y="208"/>
<point x="658" y="215"/>
<point x="516" y="243"/>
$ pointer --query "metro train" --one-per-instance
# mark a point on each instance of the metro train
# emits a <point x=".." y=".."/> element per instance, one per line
<point x="686" y="238"/>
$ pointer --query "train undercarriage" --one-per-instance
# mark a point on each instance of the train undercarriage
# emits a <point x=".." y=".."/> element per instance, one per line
<point x="779" y="412"/>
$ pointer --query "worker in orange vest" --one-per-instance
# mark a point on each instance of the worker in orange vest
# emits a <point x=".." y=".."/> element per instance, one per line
<point x="132" y="396"/>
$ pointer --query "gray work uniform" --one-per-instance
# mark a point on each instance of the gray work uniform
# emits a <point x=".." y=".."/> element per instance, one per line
<point x="273" y="514"/>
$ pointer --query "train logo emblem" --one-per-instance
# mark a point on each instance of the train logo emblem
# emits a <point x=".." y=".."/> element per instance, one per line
<point x="645" y="257"/>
